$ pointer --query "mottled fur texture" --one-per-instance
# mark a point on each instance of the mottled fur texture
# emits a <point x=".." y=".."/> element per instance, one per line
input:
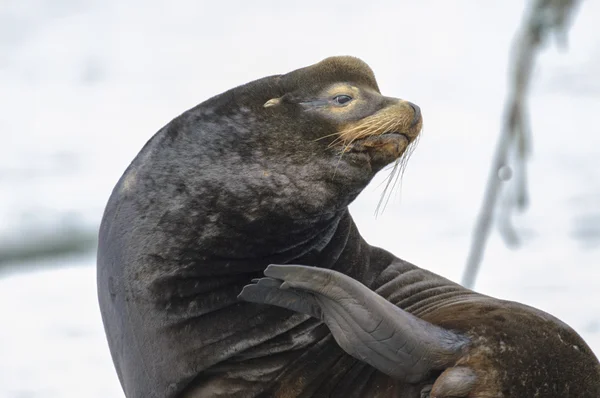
<point x="231" y="186"/>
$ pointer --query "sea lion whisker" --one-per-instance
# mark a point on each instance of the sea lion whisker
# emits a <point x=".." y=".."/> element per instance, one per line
<point x="351" y="133"/>
<point x="389" y="168"/>
<point x="335" y="142"/>
<point x="377" y="124"/>
<point x="326" y="136"/>
<point x="398" y="170"/>
<point x="404" y="162"/>
<point x="349" y="145"/>
<point x="397" y="175"/>
<point x="389" y="180"/>
<point x="389" y="126"/>
<point x="363" y="129"/>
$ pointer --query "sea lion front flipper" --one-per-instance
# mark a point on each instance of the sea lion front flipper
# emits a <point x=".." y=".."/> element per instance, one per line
<point x="268" y="291"/>
<point x="364" y="324"/>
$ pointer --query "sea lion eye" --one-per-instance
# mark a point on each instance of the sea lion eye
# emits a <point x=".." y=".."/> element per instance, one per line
<point x="342" y="99"/>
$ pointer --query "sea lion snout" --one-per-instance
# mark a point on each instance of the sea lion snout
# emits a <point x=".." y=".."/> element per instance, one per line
<point x="417" y="117"/>
<point x="411" y="119"/>
<point x="400" y="116"/>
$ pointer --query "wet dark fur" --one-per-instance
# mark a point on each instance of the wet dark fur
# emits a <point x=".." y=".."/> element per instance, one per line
<point x="229" y="187"/>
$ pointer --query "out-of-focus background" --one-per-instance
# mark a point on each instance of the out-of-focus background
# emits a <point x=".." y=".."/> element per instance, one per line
<point x="85" y="83"/>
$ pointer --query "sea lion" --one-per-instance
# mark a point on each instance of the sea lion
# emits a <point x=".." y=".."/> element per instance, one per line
<point x="263" y="174"/>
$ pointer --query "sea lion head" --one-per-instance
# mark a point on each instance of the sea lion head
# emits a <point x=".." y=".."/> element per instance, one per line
<point x="300" y="144"/>
<point x="344" y="109"/>
<point x="343" y="122"/>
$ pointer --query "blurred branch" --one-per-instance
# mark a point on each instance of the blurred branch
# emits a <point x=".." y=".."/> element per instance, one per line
<point x="545" y="17"/>
<point x="50" y="243"/>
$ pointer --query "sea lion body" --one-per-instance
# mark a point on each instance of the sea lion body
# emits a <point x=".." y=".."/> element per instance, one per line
<point x="264" y="174"/>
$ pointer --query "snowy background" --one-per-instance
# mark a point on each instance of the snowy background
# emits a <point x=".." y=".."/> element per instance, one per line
<point x="84" y="84"/>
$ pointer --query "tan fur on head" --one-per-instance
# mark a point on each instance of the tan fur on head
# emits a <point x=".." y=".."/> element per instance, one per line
<point x="336" y="69"/>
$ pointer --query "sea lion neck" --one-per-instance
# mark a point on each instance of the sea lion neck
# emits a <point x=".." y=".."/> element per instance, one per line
<point x="346" y="252"/>
<point x="236" y="250"/>
<point x="333" y="243"/>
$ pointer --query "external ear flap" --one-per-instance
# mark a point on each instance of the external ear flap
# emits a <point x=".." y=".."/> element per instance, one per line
<point x="454" y="383"/>
<point x="272" y="102"/>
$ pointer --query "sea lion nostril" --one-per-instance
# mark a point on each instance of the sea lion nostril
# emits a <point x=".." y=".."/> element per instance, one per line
<point x="417" y="116"/>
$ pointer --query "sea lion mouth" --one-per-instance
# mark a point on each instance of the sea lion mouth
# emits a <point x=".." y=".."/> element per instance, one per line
<point x="387" y="146"/>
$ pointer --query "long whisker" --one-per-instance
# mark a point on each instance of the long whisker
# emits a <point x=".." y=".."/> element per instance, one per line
<point x="389" y="167"/>
<point x="398" y="170"/>
<point x="335" y="142"/>
<point x="400" y="176"/>
<point x="325" y="136"/>
<point x="404" y="162"/>
<point x="389" y="180"/>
